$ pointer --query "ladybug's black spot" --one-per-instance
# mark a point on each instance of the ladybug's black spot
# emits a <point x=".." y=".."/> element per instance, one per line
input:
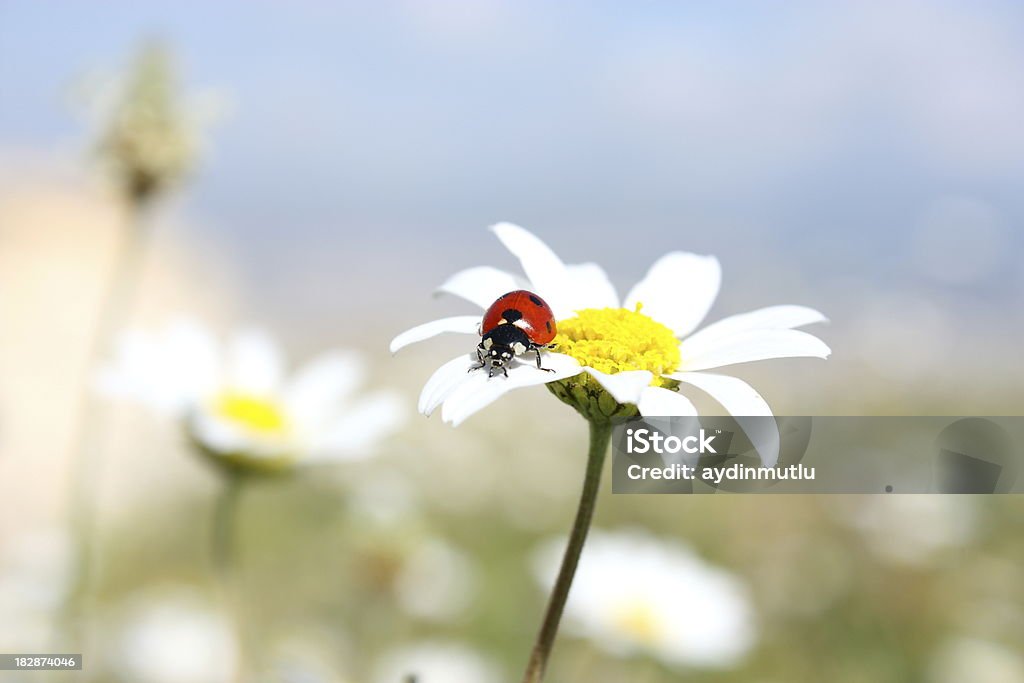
<point x="547" y="323"/>
<point x="536" y="300"/>
<point x="512" y="315"/>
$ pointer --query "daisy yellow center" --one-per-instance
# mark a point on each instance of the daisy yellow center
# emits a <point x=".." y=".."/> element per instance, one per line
<point x="617" y="339"/>
<point x="255" y="413"/>
<point x="639" y="620"/>
<point x="612" y="340"/>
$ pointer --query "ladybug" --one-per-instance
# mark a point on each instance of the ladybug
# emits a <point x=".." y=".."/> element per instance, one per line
<point x="516" y="322"/>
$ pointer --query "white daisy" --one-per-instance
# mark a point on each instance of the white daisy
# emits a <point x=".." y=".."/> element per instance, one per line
<point x="237" y="405"/>
<point x="978" y="660"/>
<point x="436" y="582"/>
<point x="436" y="662"/>
<point x="635" y="594"/>
<point x="173" y="637"/>
<point x="616" y="357"/>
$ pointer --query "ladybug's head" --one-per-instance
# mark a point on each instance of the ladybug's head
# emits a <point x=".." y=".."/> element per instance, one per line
<point x="499" y="346"/>
<point x="498" y="356"/>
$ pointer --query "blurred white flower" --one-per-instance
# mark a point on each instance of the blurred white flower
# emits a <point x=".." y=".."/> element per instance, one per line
<point x="636" y="594"/>
<point x="238" y="405"/>
<point x="977" y="661"/>
<point x="437" y="581"/>
<point x="383" y="498"/>
<point x="910" y="529"/>
<point x="34" y="579"/>
<point x="174" y="638"/>
<point x="307" y="656"/>
<point x="436" y="662"/>
<point x="629" y="348"/>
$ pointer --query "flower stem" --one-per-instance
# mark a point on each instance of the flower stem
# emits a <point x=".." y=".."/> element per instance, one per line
<point x="600" y="435"/>
<point x="222" y="548"/>
<point x="223" y="545"/>
<point x="88" y="430"/>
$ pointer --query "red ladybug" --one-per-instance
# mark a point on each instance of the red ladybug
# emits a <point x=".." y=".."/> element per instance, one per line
<point x="516" y="322"/>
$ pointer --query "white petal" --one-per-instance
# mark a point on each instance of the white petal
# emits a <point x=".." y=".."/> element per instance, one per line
<point x="745" y="347"/>
<point x="481" y="285"/>
<point x="217" y="434"/>
<point x="678" y="290"/>
<point x="591" y="287"/>
<point x="444" y="381"/>
<point x="321" y="385"/>
<point x="463" y="324"/>
<point x="194" y="359"/>
<point x="771" y="318"/>
<point x="480" y="390"/>
<point x="625" y="387"/>
<point x="228" y="437"/>
<point x="255" y="363"/>
<point x="354" y="434"/>
<point x="125" y="375"/>
<point x="169" y="371"/>
<point x="134" y="372"/>
<point x="660" y="402"/>
<point x="735" y="395"/>
<point x="741" y="401"/>
<point x="547" y="274"/>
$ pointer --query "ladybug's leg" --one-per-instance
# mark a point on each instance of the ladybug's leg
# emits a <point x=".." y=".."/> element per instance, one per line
<point x="536" y="350"/>
<point x="479" y="358"/>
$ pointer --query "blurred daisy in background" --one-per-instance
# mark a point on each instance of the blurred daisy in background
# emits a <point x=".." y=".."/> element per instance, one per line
<point x="172" y="636"/>
<point x="35" y="572"/>
<point x="636" y="594"/>
<point x="909" y="529"/>
<point x="437" y="581"/>
<point x="616" y="353"/>
<point x="436" y="662"/>
<point x="385" y="498"/>
<point x="308" y="653"/>
<point x="976" y="660"/>
<point x="239" y="407"/>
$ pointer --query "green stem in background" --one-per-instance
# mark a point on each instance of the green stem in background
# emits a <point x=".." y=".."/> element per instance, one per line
<point x="86" y="438"/>
<point x="223" y="553"/>
<point x="222" y="549"/>
<point x="600" y="436"/>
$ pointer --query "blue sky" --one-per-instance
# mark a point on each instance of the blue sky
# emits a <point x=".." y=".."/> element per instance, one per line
<point x="829" y="138"/>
